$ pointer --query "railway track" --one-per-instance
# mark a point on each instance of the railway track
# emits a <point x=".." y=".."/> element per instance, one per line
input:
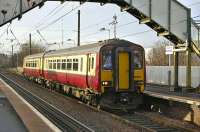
<point x="139" y="121"/>
<point x="146" y="123"/>
<point x="63" y="121"/>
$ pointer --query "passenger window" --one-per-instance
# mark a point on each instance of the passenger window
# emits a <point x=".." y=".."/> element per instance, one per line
<point x="50" y="64"/>
<point x="63" y="64"/>
<point x="107" y="60"/>
<point x="58" y="64"/>
<point x="69" y="64"/>
<point x="54" y="64"/>
<point x="138" y="60"/>
<point x="75" y="64"/>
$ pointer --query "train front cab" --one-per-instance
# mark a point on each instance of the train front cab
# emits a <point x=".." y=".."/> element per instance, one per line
<point x="122" y="76"/>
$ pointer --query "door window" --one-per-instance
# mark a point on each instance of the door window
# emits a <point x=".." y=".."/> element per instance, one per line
<point x="138" y="59"/>
<point x="107" y="60"/>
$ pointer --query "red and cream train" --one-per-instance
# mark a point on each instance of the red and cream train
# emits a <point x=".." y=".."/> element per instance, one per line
<point x="110" y="73"/>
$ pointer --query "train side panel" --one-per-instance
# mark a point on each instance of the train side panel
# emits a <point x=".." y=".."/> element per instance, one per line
<point x="32" y="67"/>
<point x="72" y="70"/>
<point x="94" y="72"/>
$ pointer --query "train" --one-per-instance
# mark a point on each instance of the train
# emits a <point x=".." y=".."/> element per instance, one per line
<point x="108" y="73"/>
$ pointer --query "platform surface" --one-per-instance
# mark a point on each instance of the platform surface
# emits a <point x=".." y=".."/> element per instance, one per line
<point x="33" y="121"/>
<point x="9" y="120"/>
<point x="164" y="92"/>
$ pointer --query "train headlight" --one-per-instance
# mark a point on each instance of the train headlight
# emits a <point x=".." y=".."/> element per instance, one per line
<point x="106" y="83"/>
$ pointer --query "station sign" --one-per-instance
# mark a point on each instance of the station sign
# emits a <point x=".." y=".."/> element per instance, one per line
<point x="169" y="50"/>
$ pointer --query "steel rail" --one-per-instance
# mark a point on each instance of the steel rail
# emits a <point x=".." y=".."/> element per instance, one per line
<point x="63" y="121"/>
<point x="146" y="123"/>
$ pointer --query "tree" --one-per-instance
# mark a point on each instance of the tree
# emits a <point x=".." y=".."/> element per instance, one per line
<point x="157" y="55"/>
<point x="24" y="51"/>
<point x="4" y="60"/>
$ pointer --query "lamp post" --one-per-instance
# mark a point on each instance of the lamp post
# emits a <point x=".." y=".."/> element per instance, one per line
<point x="105" y="29"/>
<point x="52" y="43"/>
<point x="71" y="40"/>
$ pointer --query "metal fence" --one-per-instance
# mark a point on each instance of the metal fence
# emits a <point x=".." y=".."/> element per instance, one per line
<point x="159" y="75"/>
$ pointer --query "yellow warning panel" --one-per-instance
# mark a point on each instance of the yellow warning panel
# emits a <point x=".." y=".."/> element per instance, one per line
<point x="124" y="71"/>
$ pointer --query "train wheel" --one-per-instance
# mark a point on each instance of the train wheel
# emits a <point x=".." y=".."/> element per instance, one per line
<point x="50" y="86"/>
<point x="155" y="108"/>
<point x="69" y="92"/>
<point x="93" y="100"/>
<point x="42" y="83"/>
<point x="88" y="102"/>
<point x="98" y="107"/>
<point x="62" y="89"/>
<point x="83" y="98"/>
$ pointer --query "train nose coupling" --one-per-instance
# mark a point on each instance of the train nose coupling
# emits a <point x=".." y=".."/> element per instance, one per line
<point x="124" y="99"/>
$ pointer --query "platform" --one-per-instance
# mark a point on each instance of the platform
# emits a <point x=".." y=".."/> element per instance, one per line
<point x="21" y="115"/>
<point x="164" y="92"/>
<point x="189" y="110"/>
<point x="9" y="120"/>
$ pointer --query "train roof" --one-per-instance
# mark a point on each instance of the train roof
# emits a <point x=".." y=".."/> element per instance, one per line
<point x="82" y="49"/>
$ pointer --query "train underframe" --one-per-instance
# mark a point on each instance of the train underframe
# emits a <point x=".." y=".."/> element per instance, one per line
<point x="109" y="100"/>
<point x="121" y="100"/>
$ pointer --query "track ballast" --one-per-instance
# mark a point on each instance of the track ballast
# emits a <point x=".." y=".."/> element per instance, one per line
<point x="63" y="121"/>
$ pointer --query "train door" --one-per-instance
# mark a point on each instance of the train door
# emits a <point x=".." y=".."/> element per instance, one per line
<point x="40" y="66"/>
<point x="91" y="69"/>
<point x="123" y="69"/>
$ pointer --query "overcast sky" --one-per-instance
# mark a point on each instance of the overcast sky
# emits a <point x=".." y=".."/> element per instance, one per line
<point x="93" y="17"/>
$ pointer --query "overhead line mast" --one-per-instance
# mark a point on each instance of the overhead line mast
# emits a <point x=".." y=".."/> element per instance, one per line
<point x="78" y="41"/>
<point x="114" y="23"/>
